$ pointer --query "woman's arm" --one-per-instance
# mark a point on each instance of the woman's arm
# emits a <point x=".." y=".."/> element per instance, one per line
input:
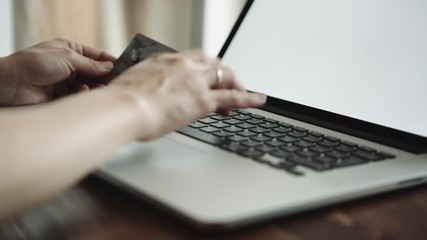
<point x="46" y="148"/>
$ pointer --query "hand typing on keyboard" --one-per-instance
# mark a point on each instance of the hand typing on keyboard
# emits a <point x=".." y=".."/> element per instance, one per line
<point x="175" y="89"/>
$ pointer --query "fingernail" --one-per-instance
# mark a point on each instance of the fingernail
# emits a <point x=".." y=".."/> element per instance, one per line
<point x="261" y="97"/>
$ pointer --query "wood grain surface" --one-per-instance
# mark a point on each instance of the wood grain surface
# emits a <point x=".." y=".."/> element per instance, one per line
<point x="95" y="210"/>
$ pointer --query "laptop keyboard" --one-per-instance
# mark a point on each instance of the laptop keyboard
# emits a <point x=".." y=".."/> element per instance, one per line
<point x="279" y="144"/>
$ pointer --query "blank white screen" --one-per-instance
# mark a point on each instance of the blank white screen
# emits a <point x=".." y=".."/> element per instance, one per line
<point x="365" y="59"/>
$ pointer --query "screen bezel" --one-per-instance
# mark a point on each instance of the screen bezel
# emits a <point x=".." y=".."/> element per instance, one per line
<point x="366" y="130"/>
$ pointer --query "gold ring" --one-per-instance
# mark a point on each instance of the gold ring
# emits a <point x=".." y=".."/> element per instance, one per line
<point x="219" y="76"/>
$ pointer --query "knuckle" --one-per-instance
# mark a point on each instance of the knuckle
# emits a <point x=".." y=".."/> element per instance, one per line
<point x="59" y="39"/>
<point x="93" y="64"/>
<point x="67" y="52"/>
<point x="155" y="56"/>
<point x="180" y="60"/>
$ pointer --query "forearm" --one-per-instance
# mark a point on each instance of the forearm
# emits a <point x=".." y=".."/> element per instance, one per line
<point x="48" y="147"/>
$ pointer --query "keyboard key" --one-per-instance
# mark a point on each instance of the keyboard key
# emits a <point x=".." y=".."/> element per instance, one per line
<point x="293" y="171"/>
<point x="275" y="143"/>
<point x="244" y="112"/>
<point x="202" y="136"/>
<point x="307" y="153"/>
<point x="251" y="153"/>
<point x="386" y="155"/>
<point x="237" y="138"/>
<point x="327" y="143"/>
<point x="324" y="158"/>
<point x="260" y="138"/>
<point x="332" y="139"/>
<point x="304" y="144"/>
<point x="370" y="156"/>
<point x="286" y="165"/>
<point x="290" y="148"/>
<point x="232" y="121"/>
<point x="233" y="113"/>
<point x="257" y="116"/>
<point x="197" y="125"/>
<point x="281" y="154"/>
<point x="255" y="121"/>
<point x="246" y="133"/>
<point x="233" y="129"/>
<point x="345" y="148"/>
<point x="265" y="148"/>
<point x="283" y="130"/>
<point x="286" y="125"/>
<point x="210" y="129"/>
<point x="316" y="134"/>
<point x="300" y="129"/>
<point x="350" y="161"/>
<point x="288" y="139"/>
<point x="337" y="154"/>
<point x="234" y="147"/>
<point x="271" y="120"/>
<point x="219" y="117"/>
<point x="318" y="166"/>
<point x="268" y="125"/>
<point x="313" y="139"/>
<point x="367" y="149"/>
<point x="276" y="162"/>
<point x="207" y="120"/>
<point x="350" y="144"/>
<point x="223" y="134"/>
<point x="297" y="134"/>
<point x="246" y="125"/>
<point x="242" y="117"/>
<point x="251" y="143"/>
<point x="259" y="130"/>
<point x="320" y="149"/>
<point x="273" y="134"/>
<point x="220" y="125"/>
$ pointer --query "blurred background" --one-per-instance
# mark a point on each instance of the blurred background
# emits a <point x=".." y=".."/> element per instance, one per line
<point x="111" y="24"/>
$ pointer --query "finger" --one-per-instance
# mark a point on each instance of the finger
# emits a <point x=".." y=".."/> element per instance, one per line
<point x="90" y="52"/>
<point x="199" y="56"/>
<point x="224" y="112"/>
<point x="97" y="54"/>
<point x="89" y="67"/>
<point x="195" y="56"/>
<point x="228" y="99"/>
<point x="83" y="88"/>
<point x="223" y="78"/>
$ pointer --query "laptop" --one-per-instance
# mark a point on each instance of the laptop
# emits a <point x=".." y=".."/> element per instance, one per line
<point x="346" y="117"/>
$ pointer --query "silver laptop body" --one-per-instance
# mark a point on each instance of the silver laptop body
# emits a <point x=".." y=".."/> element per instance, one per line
<point x="353" y="70"/>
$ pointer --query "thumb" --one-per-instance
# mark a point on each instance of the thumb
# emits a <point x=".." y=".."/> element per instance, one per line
<point x="89" y="67"/>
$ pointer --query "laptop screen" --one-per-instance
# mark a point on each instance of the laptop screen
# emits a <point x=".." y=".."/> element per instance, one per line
<point x="365" y="59"/>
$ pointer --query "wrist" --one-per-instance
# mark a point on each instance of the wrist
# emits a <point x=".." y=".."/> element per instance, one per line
<point x="8" y="80"/>
<point x="142" y="123"/>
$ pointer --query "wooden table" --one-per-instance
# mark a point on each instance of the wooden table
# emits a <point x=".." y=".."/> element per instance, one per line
<point x="95" y="210"/>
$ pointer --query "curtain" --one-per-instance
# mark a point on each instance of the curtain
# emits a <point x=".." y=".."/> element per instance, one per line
<point x="40" y="20"/>
<point x="110" y="24"/>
